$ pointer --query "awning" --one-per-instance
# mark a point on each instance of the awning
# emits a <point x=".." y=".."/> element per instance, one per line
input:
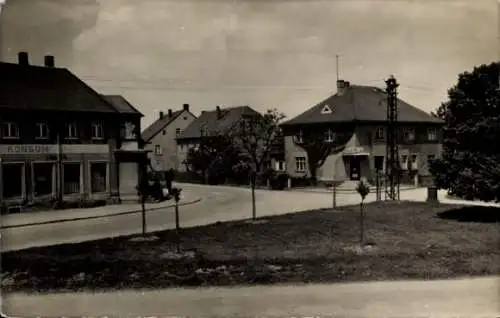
<point x="355" y="151"/>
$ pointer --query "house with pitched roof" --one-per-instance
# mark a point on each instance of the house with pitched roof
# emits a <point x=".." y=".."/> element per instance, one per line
<point x="354" y="121"/>
<point x="218" y="121"/>
<point x="60" y="139"/>
<point x="160" y="137"/>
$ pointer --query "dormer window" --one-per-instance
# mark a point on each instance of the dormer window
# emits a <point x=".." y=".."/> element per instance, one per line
<point x="326" y="110"/>
<point x="329" y="135"/>
<point x="298" y="138"/>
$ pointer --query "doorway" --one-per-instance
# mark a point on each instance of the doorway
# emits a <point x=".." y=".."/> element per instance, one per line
<point x="355" y="168"/>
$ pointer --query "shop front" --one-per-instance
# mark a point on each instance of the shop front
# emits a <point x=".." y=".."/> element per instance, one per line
<point x="34" y="173"/>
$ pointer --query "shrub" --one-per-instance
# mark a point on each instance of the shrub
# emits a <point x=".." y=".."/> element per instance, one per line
<point x="279" y="181"/>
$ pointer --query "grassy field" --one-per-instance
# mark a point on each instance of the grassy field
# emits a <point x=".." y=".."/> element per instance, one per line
<point x="406" y="240"/>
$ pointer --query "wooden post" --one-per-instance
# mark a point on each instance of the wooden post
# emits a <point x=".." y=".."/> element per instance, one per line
<point x="334" y="195"/>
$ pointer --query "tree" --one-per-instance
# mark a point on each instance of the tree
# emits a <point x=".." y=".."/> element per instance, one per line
<point x="211" y="156"/>
<point x="253" y="138"/>
<point x="469" y="166"/>
<point x="318" y="147"/>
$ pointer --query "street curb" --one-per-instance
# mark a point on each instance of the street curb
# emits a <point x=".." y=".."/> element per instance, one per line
<point x="305" y="190"/>
<point x="96" y="216"/>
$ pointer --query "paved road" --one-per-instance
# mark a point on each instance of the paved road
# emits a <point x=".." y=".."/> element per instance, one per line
<point x="452" y="298"/>
<point x="219" y="203"/>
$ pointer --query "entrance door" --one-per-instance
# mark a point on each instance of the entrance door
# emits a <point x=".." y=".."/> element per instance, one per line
<point x="355" y="168"/>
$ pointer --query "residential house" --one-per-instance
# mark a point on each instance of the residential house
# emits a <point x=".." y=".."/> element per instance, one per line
<point x="218" y="121"/>
<point x="61" y="139"/>
<point x="360" y="113"/>
<point x="160" y="137"/>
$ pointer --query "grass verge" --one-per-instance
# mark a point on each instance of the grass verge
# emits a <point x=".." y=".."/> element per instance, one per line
<point x="408" y="240"/>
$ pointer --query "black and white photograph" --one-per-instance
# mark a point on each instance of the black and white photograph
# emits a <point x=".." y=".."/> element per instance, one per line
<point x="250" y="158"/>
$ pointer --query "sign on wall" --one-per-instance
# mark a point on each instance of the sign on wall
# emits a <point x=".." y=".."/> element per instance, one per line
<point x="353" y="150"/>
<point x="28" y="149"/>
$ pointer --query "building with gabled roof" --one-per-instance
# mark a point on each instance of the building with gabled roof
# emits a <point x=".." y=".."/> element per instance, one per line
<point x="359" y="115"/>
<point x="61" y="140"/>
<point x="210" y="123"/>
<point x="160" y="137"/>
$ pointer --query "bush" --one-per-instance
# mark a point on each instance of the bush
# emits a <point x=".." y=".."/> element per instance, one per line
<point x="301" y="182"/>
<point x="279" y="181"/>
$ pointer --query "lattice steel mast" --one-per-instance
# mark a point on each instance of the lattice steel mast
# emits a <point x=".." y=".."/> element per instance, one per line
<point x="392" y="152"/>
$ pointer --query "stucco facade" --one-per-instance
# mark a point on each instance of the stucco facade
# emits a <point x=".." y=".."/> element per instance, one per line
<point x="163" y="145"/>
<point x="364" y="153"/>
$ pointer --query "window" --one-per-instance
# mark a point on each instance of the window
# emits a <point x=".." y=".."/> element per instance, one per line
<point x="380" y="133"/>
<point x="129" y="131"/>
<point x="43" y="178"/>
<point x="13" y="180"/>
<point x="329" y="136"/>
<point x="177" y="132"/>
<point x="300" y="164"/>
<point x="409" y="134"/>
<point x="98" y="179"/>
<point x="326" y="110"/>
<point x="413" y="162"/>
<point x="71" y="178"/>
<point x="404" y="162"/>
<point x="71" y="132"/>
<point x="299" y="137"/>
<point x="10" y="130"/>
<point x="158" y="150"/>
<point x="42" y="130"/>
<point x="280" y="165"/>
<point x="97" y="130"/>
<point x="431" y="134"/>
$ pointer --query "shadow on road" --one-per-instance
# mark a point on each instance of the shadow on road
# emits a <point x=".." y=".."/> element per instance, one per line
<point x="473" y="214"/>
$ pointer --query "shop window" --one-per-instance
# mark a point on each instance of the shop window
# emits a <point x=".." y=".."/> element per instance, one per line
<point x="13" y="180"/>
<point x="72" y="175"/>
<point x="98" y="172"/>
<point x="43" y="178"/>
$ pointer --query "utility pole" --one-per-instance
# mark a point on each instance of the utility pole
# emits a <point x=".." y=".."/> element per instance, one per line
<point x="392" y="153"/>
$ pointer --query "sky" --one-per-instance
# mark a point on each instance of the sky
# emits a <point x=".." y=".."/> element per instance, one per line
<point x="160" y="54"/>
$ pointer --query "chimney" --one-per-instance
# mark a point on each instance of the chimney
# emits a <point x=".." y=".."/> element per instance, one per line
<point x="185" y="107"/>
<point x="169" y="113"/>
<point x="342" y="87"/>
<point x="23" y="58"/>
<point x="219" y="112"/>
<point x="161" y="115"/>
<point x="49" y="61"/>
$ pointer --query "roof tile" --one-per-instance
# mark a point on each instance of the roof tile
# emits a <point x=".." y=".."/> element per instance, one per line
<point x="360" y="103"/>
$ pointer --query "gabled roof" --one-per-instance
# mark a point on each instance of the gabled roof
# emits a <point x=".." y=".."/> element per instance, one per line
<point x="211" y="123"/>
<point x="30" y="87"/>
<point x="360" y="103"/>
<point x="160" y="124"/>
<point x="122" y="105"/>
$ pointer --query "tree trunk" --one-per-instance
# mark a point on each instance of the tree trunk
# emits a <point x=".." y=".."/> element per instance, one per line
<point x="361" y="224"/>
<point x="177" y="227"/>
<point x="254" y="209"/>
